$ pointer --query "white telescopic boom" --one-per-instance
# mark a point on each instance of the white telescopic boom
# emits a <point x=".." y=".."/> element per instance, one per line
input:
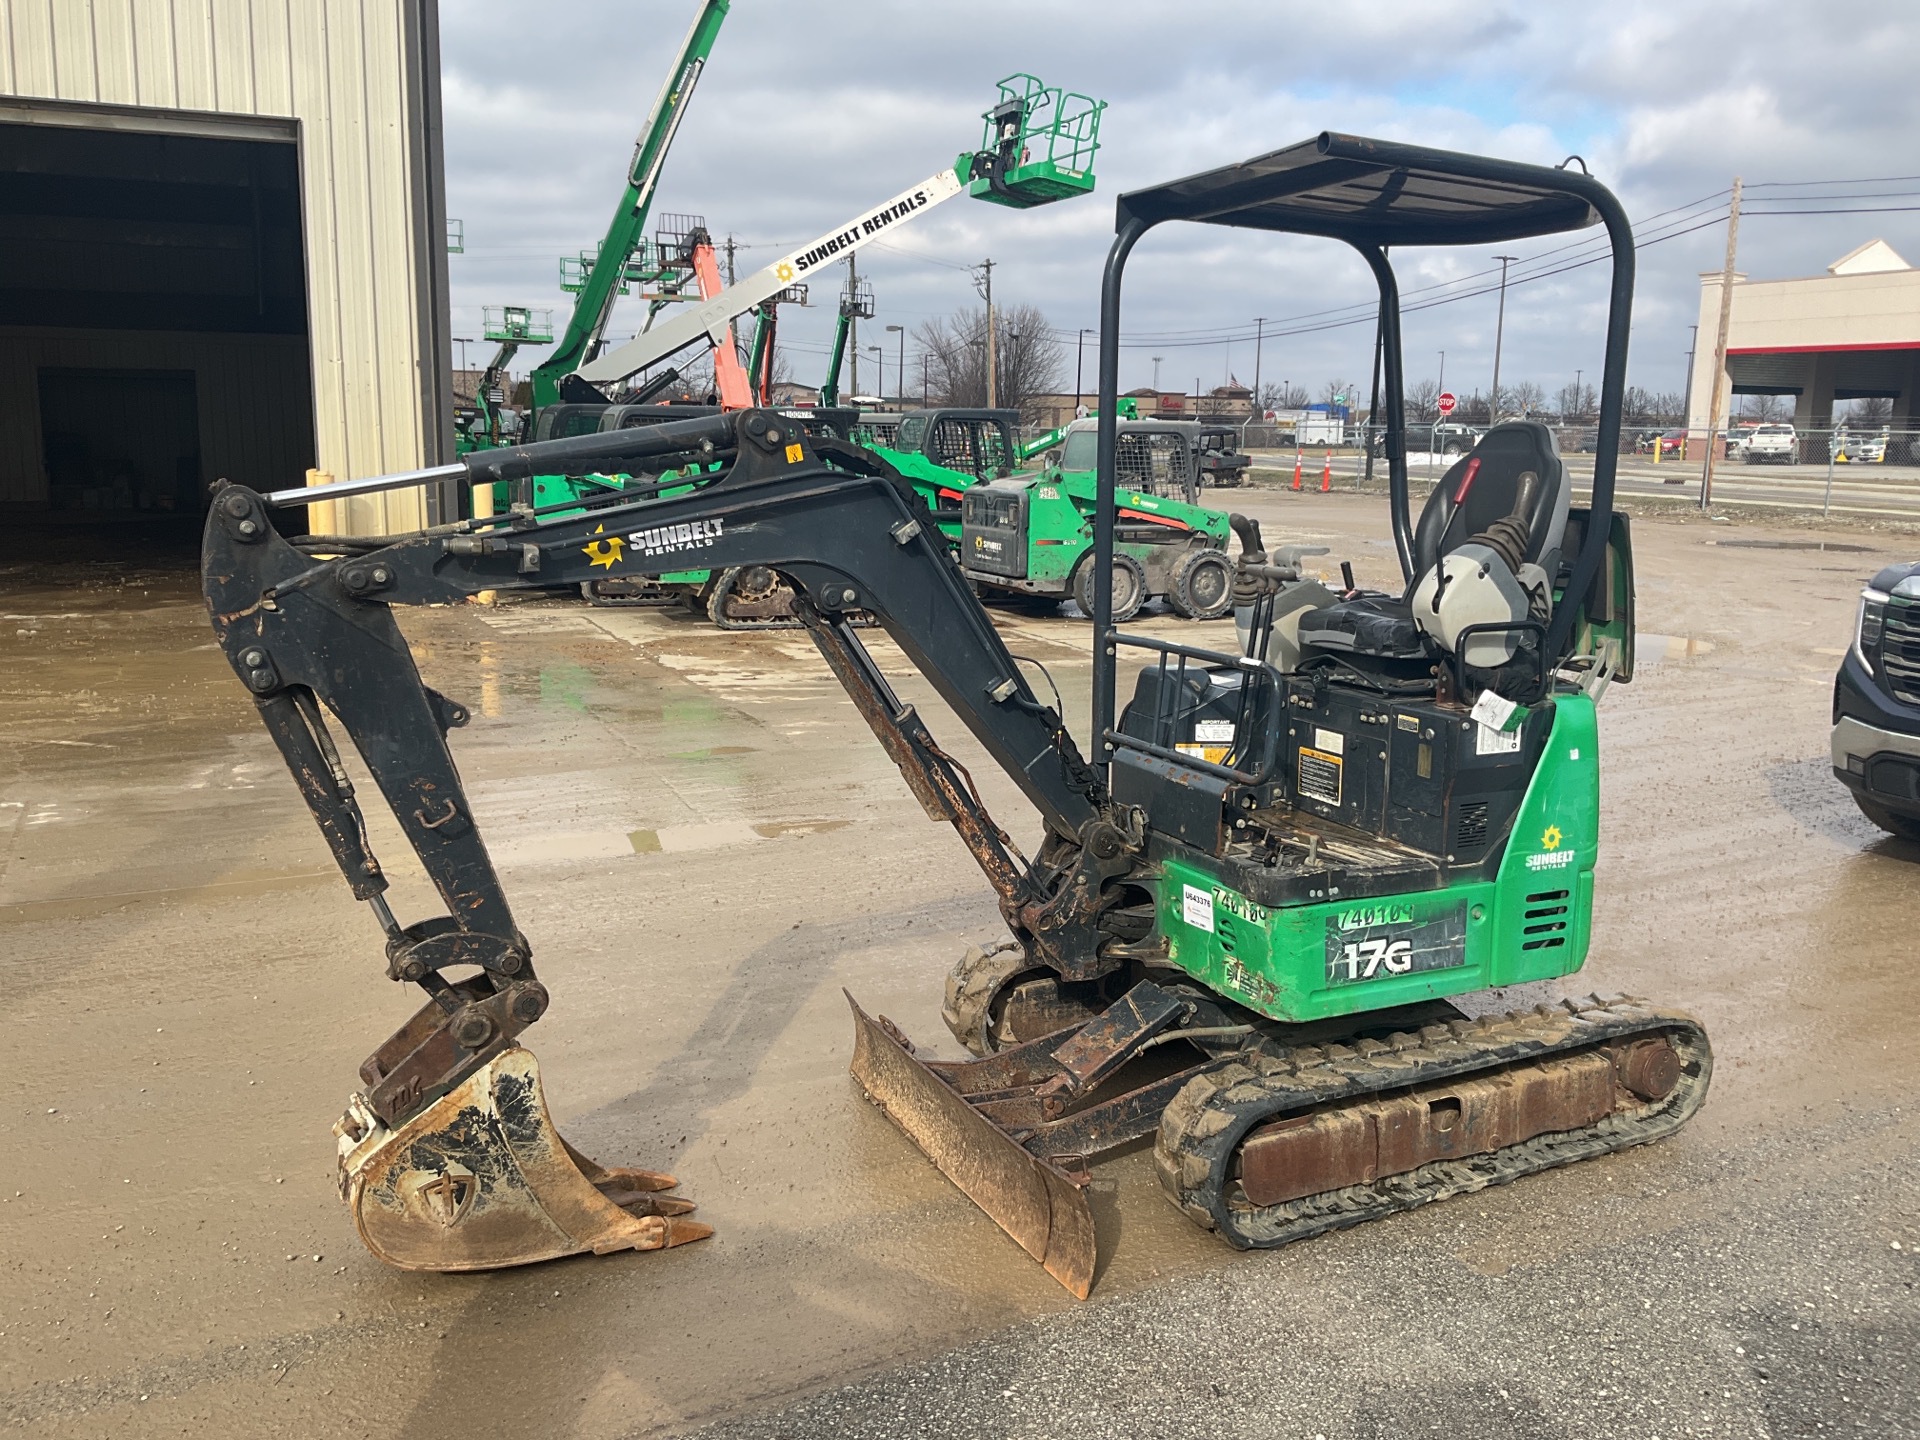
<point x="708" y="323"/>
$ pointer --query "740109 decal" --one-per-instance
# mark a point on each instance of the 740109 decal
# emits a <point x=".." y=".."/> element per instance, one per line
<point x="1375" y="940"/>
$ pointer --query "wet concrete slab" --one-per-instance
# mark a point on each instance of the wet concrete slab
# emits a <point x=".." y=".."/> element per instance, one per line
<point x="704" y="845"/>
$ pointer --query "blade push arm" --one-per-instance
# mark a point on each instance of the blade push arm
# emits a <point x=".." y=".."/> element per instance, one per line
<point x="303" y="634"/>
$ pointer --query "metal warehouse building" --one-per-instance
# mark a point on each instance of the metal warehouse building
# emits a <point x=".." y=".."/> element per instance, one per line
<point x="1852" y="333"/>
<point x="222" y="253"/>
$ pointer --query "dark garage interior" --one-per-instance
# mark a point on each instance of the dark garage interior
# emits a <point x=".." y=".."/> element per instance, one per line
<point x="153" y="323"/>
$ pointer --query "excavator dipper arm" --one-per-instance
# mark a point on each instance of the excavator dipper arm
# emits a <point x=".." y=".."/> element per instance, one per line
<point x="307" y="633"/>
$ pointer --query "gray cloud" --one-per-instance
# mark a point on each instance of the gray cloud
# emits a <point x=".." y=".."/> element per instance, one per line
<point x="808" y="114"/>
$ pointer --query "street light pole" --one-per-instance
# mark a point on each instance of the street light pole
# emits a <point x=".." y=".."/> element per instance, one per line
<point x="1499" y="331"/>
<point x="1579" y="395"/>
<point x="1259" y="341"/>
<point x="899" y="370"/>
<point x="879" y="365"/>
<point x="1443" y="372"/>
<point x="1079" y="360"/>
<point x="1156" y="375"/>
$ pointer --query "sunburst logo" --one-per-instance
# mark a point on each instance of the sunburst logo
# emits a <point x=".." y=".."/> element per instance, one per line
<point x="605" y="552"/>
<point x="1551" y="840"/>
<point x="784" y="271"/>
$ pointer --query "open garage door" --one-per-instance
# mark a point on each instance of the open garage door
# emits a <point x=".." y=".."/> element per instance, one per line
<point x="153" y="319"/>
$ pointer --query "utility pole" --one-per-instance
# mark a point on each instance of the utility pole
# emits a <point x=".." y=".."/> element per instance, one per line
<point x="853" y="325"/>
<point x="985" y="280"/>
<point x="1693" y="343"/>
<point x="1499" y="330"/>
<point x="733" y="325"/>
<point x="1443" y="372"/>
<point x="1079" y="360"/>
<point x="926" y="388"/>
<point x="1720" y="346"/>
<point x="1156" y="376"/>
<point x="900" y="370"/>
<point x="1259" y="340"/>
<point x="1579" y="395"/>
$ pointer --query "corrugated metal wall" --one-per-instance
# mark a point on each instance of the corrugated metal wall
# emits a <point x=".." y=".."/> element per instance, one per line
<point x="260" y="377"/>
<point x="361" y="77"/>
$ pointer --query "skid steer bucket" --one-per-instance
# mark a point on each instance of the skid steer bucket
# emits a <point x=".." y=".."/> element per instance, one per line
<point x="480" y="1179"/>
<point x="1040" y="1201"/>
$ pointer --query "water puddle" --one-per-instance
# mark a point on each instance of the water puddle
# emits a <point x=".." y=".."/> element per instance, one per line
<point x="1655" y="649"/>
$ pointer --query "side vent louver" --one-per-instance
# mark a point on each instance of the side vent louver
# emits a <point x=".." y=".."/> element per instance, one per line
<point x="1546" y="916"/>
<point x="1470" y="826"/>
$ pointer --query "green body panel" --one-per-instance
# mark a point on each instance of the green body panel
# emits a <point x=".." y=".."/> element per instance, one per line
<point x="1289" y="964"/>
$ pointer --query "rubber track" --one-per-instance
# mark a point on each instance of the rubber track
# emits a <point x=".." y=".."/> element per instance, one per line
<point x="1203" y="1127"/>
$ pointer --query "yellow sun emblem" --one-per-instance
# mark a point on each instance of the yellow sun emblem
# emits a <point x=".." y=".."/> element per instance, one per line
<point x="603" y="552"/>
<point x="784" y="271"/>
<point x="1551" y="840"/>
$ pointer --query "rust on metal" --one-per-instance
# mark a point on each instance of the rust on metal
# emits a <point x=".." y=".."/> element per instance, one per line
<point x="1038" y="1201"/>
<point x="1649" y="1068"/>
<point x="481" y="1179"/>
<point x="1300" y="1155"/>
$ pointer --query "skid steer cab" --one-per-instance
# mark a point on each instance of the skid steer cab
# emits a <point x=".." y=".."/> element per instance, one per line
<point x="1030" y="537"/>
<point x="1265" y="904"/>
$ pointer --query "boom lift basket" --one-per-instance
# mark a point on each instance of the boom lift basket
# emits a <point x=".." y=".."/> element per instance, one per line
<point x="1058" y="133"/>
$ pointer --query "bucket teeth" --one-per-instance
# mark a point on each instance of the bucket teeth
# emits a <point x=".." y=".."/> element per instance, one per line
<point x="480" y="1179"/>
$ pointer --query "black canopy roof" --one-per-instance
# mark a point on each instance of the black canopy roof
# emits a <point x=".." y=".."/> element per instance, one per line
<point x="1376" y="192"/>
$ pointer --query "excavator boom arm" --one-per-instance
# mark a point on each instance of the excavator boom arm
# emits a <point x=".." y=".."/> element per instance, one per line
<point x="306" y="633"/>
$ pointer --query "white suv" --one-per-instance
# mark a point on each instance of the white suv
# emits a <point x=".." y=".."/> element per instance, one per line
<point x="1771" y="442"/>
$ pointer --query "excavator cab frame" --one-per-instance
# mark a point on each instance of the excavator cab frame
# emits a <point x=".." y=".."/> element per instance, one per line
<point x="1374" y="195"/>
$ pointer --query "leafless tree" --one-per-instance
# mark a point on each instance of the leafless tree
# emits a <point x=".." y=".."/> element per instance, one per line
<point x="1575" y="401"/>
<point x="1761" y="407"/>
<point x="1423" y="402"/>
<point x="1525" y="398"/>
<point x="1030" y="361"/>
<point x="1337" y="387"/>
<point x="1278" y="396"/>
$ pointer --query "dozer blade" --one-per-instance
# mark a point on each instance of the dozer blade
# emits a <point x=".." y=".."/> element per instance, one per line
<point x="1041" y="1205"/>
<point x="480" y="1179"/>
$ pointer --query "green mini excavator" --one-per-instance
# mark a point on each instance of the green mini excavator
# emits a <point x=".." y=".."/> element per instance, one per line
<point x="1265" y="905"/>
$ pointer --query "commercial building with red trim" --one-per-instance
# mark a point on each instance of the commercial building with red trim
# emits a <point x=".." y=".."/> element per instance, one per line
<point x="1852" y="333"/>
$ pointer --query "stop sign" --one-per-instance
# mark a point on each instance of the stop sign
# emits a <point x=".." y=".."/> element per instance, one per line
<point x="1447" y="402"/>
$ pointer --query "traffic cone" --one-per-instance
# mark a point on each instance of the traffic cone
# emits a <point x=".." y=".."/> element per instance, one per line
<point x="1326" y="474"/>
<point x="1296" y="467"/>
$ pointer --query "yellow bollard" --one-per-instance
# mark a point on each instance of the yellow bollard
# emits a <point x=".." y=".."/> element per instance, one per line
<point x="482" y="509"/>
<point x="320" y="519"/>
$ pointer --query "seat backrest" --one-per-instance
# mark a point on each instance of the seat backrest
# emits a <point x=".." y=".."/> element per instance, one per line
<point x="1484" y="485"/>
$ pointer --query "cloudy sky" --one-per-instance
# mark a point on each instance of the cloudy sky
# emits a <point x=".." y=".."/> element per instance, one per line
<point x="809" y="114"/>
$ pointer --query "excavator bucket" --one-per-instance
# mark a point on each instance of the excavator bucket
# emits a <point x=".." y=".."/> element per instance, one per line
<point x="480" y="1179"/>
<point x="1037" y="1200"/>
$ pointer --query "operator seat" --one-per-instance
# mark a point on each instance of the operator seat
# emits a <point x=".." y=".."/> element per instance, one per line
<point x="1482" y="487"/>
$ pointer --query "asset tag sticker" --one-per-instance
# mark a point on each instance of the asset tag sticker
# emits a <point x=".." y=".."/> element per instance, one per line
<point x="1331" y="741"/>
<point x="1375" y="940"/>
<point x="1213" y="732"/>
<point x="1320" y="776"/>
<point x="1196" y="907"/>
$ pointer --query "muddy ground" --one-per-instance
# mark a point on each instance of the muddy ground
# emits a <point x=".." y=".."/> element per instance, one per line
<point x="704" y="845"/>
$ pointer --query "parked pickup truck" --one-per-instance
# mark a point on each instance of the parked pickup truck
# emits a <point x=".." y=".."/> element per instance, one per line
<point x="1777" y="443"/>
<point x="1876" y="703"/>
